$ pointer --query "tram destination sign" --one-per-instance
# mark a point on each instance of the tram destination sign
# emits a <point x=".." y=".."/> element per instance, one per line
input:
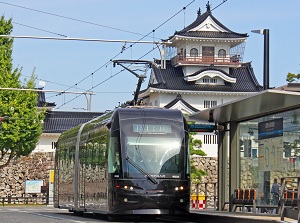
<point x="152" y="128"/>
<point x="202" y="128"/>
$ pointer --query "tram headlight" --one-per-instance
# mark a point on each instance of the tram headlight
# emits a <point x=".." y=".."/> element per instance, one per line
<point x="128" y="187"/>
<point x="180" y="188"/>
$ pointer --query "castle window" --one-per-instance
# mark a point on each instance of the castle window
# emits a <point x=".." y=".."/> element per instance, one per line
<point x="213" y="103"/>
<point x="205" y="80"/>
<point x="210" y="139"/>
<point x="213" y="80"/>
<point x="209" y="104"/>
<point x="208" y="51"/>
<point x="222" y="53"/>
<point x="194" y="52"/>
<point x="209" y="80"/>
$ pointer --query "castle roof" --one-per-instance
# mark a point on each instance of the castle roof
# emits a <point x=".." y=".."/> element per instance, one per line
<point x="60" y="121"/>
<point x="207" y="26"/>
<point x="172" y="78"/>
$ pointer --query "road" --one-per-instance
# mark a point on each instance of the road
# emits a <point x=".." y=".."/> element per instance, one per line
<point x="48" y="214"/>
<point x="38" y="214"/>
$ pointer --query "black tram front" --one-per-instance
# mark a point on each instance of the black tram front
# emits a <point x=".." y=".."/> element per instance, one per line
<point x="148" y="162"/>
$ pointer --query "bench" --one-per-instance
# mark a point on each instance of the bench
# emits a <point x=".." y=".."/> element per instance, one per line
<point x="244" y="198"/>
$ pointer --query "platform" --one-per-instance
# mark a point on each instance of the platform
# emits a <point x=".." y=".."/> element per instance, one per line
<point x="242" y="217"/>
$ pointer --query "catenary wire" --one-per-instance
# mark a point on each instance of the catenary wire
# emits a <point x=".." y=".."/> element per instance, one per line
<point x="105" y="27"/>
<point x="69" y="87"/>
<point x="39" y="29"/>
<point x="78" y="20"/>
<point x="107" y="63"/>
<point x="144" y="36"/>
<point x="70" y="18"/>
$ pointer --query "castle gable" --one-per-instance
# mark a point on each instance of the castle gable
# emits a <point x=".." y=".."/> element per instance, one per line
<point x="208" y="25"/>
<point x="217" y="77"/>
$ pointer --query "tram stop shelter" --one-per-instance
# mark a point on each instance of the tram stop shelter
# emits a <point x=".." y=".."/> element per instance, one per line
<point x="259" y="141"/>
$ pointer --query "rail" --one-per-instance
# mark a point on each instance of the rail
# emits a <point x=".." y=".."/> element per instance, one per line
<point x="227" y="60"/>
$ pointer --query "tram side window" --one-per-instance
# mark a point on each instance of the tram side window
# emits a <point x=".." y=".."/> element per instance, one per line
<point x="113" y="153"/>
<point x="185" y="144"/>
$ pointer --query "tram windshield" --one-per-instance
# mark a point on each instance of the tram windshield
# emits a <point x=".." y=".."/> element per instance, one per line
<point x="154" y="150"/>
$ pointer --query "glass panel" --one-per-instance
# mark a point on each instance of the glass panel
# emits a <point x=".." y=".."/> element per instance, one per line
<point x="159" y="156"/>
<point x="155" y="149"/>
<point x="269" y="149"/>
<point x="114" y="153"/>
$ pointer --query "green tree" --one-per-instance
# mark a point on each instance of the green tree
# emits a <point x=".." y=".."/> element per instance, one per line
<point x="195" y="149"/>
<point x="195" y="145"/>
<point x="20" y="124"/>
<point x="290" y="77"/>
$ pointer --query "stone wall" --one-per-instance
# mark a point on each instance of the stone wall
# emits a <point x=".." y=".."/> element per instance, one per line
<point x="33" y="167"/>
<point x="37" y="166"/>
<point x="209" y="185"/>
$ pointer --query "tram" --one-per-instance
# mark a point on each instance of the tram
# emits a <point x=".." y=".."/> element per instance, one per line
<point x="132" y="161"/>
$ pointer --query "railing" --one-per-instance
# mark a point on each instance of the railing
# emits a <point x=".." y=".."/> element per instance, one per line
<point x="41" y="199"/>
<point x="227" y="60"/>
<point x="290" y="198"/>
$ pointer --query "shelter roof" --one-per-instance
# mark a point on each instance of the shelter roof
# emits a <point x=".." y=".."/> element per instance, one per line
<point x="267" y="102"/>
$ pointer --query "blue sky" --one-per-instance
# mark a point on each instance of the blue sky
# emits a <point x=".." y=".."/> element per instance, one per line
<point x="80" y="66"/>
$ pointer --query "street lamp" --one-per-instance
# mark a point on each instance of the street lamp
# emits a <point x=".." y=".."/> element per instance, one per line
<point x="265" y="32"/>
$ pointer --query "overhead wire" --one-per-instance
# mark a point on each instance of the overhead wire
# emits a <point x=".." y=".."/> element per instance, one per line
<point x="40" y="29"/>
<point x="123" y="48"/>
<point x="107" y="63"/>
<point x="78" y="20"/>
<point x="70" y="18"/>
<point x="77" y="96"/>
<point x="219" y="4"/>
<point x="91" y="23"/>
